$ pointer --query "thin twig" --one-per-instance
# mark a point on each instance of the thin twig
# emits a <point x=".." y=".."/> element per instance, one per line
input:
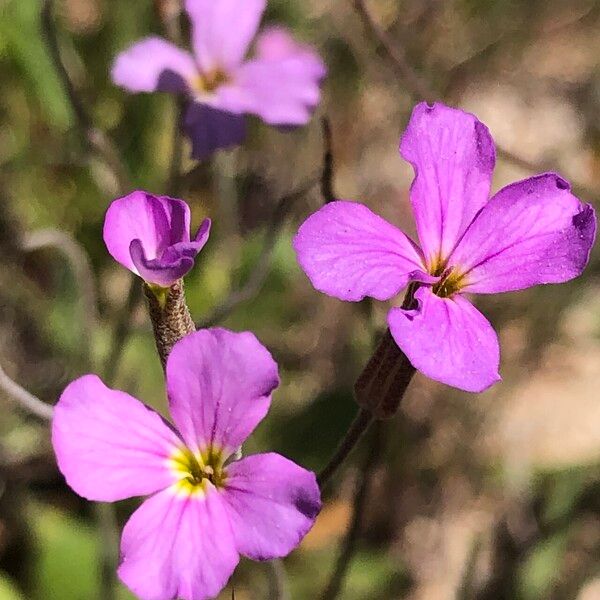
<point x="262" y="266"/>
<point x="174" y="180"/>
<point x="82" y="273"/>
<point x="104" y="148"/>
<point x="278" y="584"/>
<point x="327" y="174"/>
<point x="121" y="330"/>
<point x="94" y="137"/>
<point x="24" y="398"/>
<point x="419" y="89"/>
<point x="348" y="545"/>
<point x="357" y="428"/>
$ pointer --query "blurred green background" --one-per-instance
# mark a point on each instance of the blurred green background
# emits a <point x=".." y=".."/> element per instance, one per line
<point x="492" y="496"/>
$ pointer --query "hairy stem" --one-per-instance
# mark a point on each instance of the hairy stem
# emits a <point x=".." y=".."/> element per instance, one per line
<point x="170" y="316"/>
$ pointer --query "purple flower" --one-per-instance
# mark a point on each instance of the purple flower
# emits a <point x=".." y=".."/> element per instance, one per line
<point x="207" y="509"/>
<point x="280" y="84"/>
<point x="150" y="235"/>
<point x="531" y="232"/>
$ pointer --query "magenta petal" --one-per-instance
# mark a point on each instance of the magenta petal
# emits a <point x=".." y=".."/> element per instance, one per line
<point x="150" y="236"/>
<point x="211" y="129"/>
<point x="158" y="222"/>
<point x="272" y="504"/>
<point x="531" y="232"/>
<point x="219" y="385"/>
<point x="152" y="65"/>
<point x="349" y="252"/>
<point x="222" y="30"/>
<point x="453" y="157"/>
<point x="108" y="445"/>
<point x="448" y="340"/>
<point x="177" y="546"/>
<point x="163" y="271"/>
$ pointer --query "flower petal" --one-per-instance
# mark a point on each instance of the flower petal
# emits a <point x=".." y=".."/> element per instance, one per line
<point x="178" y="546"/>
<point x="163" y="271"/>
<point x="211" y="129"/>
<point x="531" y="232"/>
<point x="152" y="65"/>
<point x="219" y="384"/>
<point x="453" y="157"/>
<point x="272" y="504"/>
<point x="282" y="85"/>
<point x="222" y="30"/>
<point x="349" y="252"/>
<point x="156" y="221"/>
<point x="448" y="340"/>
<point x="108" y="445"/>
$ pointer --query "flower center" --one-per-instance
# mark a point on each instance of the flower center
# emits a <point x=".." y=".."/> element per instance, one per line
<point x="195" y="470"/>
<point x="207" y="83"/>
<point x="450" y="283"/>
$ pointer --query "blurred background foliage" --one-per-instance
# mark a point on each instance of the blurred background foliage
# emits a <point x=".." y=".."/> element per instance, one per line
<point x="486" y="497"/>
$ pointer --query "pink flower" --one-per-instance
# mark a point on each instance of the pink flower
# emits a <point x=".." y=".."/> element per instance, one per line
<point x="207" y="508"/>
<point x="150" y="236"/>
<point x="531" y="232"/>
<point x="280" y="84"/>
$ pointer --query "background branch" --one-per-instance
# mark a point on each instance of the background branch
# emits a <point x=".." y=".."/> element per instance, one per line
<point x="420" y="89"/>
<point x="96" y="139"/>
<point x="82" y="273"/>
<point x="262" y="266"/>
<point x="23" y="398"/>
<point x="348" y="545"/>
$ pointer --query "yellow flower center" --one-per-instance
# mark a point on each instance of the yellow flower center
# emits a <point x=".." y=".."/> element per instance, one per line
<point x="207" y="83"/>
<point x="451" y="282"/>
<point x="195" y="470"/>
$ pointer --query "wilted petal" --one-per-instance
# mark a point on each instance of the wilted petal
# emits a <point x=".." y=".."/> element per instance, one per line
<point x="177" y="546"/>
<point x="108" y="445"/>
<point x="349" y="252"/>
<point x="219" y="384"/>
<point x="152" y="65"/>
<point x="531" y="232"/>
<point x="211" y="129"/>
<point x="222" y="30"/>
<point x="448" y="340"/>
<point x="272" y="503"/>
<point x="453" y="157"/>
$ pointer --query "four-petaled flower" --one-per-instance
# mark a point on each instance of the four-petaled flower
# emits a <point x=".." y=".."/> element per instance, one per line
<point x="207" y="509"/>
<point x="531" y="232"/>
<point x="150" y="236"/>
<point x="280" y="84"/>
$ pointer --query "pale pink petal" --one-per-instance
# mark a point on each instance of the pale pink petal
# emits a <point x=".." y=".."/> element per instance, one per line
<point x="108" y="445"/>
<point x="448" y="340"/>
<point x="178" y="546"/>
<point x="531" y="232"/>
<point x="349" y="252"/>
<point x="152" y="65"/>
<point x="453" y="157"/>
<point x="272" y="503"/>
<point x="282" y="85"/>
<point x="219" y="384"/>
<point x="222" y="30"/>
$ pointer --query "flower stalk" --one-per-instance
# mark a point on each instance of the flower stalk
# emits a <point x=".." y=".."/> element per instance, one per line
<point x="382" y="384"/>
<point x="170" y="317"/>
